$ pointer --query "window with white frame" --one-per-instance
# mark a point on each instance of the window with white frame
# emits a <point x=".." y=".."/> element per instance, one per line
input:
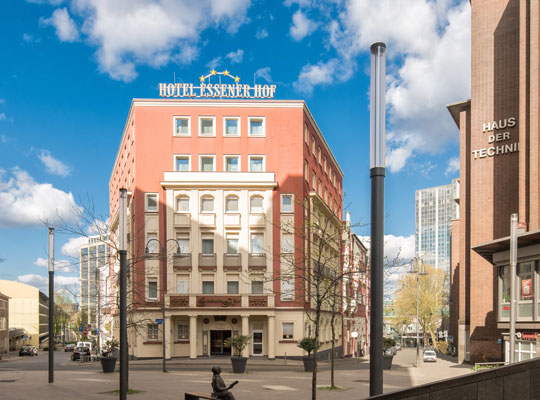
<point x="232" y="163"/>
<point x="257" y="287"/>
<point x="208" y="284"/>
<point x="325" y="165"/>
<point x="182" y="204"/>
<point x="182" y="163"/>
<point x="152" y="288"/>
<point x="207" y="163"/>
<point x="151" y="202"/>
<point x="153" y="331"/>
<point x="207" y="126"/>
<point x="182" y="284"/>
<point x="306" y="170"/>
<point x="256" y="245"/>
<point x="313" y="145"/>
<point x="207" y="243"/>
<point x="233" y="284"/>
<point x="231" y="126"/>
<point x="319" y="156"/>
<point x="306" y="133"/>
<point x="231" y="203"/>
<point x="232" y="243"/>
<point x="256" y="126"/>
<point x="287" y="203"/>
<point x="256" y="205"/>
<point x="287" y="243"/>
<point x="182" y="126"/>
<point x="314" y="180"/>
<point x="288" y="330"/>
<point x="183" y="242"/>
<point x="207" y="204"/>
<point x="152" y="243"/>
<point x="287" y="289"/>
<point x="256" y="164"/>
<point x="182" y="331"/>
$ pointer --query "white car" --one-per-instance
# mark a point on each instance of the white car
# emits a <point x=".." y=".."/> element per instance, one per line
<point x="430" y="355"/>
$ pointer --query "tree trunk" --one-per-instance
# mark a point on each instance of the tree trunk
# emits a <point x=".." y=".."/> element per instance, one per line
<point x="332" y="357"/>
<point x="315" y="355"/>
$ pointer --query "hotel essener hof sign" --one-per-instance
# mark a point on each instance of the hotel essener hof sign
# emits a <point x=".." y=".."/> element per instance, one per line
<point x="209" y="89"/>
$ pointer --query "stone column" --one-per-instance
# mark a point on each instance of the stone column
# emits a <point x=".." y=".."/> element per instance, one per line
<point x="168" y="342"/>
<point x="245" y="332"/>
<point x="193" y="336"/>
<point x="271" y="337"/>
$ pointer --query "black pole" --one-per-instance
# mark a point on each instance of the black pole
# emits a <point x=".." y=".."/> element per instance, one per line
<point x="163" y="285"/>
<point x="123" y="326"/>
<point x="51" y="333"/>
<point x="377" y="281"/>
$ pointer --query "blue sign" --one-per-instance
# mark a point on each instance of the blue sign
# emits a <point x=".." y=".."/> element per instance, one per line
<point x="159" y="320"/>
<point x="80" y="328"/>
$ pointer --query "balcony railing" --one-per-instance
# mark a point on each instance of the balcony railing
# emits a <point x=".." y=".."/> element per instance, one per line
<point x="232" y="261"/>
<point x="231" y="220"/>
<point x="182" y="262"/>
<point x="257" y="261"/>
<point x="207" y="220"/>
<point x="218" y="300"/>
<point x="182" y="220"/>
<point x="207" y="261"/>
<point x="256" y="220"/>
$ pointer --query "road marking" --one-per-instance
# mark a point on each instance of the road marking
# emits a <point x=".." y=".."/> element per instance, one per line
<point x="93" y="380"/>
<point x="278" y="387"/>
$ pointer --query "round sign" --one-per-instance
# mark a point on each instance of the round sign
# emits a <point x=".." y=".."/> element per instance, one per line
<point x="354" y="334"/>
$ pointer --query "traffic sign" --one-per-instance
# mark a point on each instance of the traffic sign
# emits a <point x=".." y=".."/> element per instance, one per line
<point x="80" y="328"/>
<point x="159" y="320"/>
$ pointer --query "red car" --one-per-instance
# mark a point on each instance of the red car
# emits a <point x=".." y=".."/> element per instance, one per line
<point x="69" y="347"/>
<point x="84" y="351"/>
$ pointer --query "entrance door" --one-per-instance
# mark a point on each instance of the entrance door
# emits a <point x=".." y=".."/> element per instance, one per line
<point x="257" y="342"/>
<point x="217" y="342"/>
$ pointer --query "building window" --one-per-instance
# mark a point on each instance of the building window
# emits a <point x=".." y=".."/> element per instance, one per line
<point x="182" y="204"/>
<point x="208" y="284"/>
<point x="313" y="145"/>
<point x="182" y="163"/>
<point x="207" y="244"/>
<point x="231" y="126"/>
<point x="183" y="331"/>
<point x="256" y="243"/>
<point x="287" y="243"/>
<point x="151" y="202"/>
<point x="152" y="244"/>
<point x="288" y="330"/>
<point x="287" y="290"/>
<point x="256" y="205"/>
<point x="257" y="287"/>
<point x="314" y="180"/>
<point x="232" y="163"/>
<point x="207" y="126"/>
<point x="286" y="203"/>
<point x="232" y="243"/>
<point x="306" y="133"/>
<point x="183" y="242"/>
<point x="207" y="204"/>
<point x="153" y="331"/>
<point x="320" y="156"/>
<point x="233" y="285"/>
<point x="306" y="171"/>
<point x="182" y="126"/>
<point x="231" y="204"/>
<point x="182" y="284"/>
<point x="525" y="272"/>
<point x="207" y="163"/>
<point x="152" y="289"/>
<point x="256" y="126"/>
<point x="256" y="164"/>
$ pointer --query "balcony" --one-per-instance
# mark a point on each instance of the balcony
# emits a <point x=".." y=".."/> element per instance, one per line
<point x="256" y="220"/>
<point x="257" y="261"/>
<point x="207" y="220"/>
<point x="218" y="300"/>
<point x="182" y="262"/>
<point x="207" y="262"/>
<point x="231" y="220"/>
<point x="182" y="220"/>
<point x="232" y="262"/>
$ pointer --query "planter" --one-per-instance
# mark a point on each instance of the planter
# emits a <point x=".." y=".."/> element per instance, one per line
<point x="308" y="363"/>
<point x="108" y="364"/>
<point x="239" y="364"/>
<point x="387" y="361"/>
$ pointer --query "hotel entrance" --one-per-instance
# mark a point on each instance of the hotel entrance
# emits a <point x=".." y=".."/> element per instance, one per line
<point x="217" y="342"/>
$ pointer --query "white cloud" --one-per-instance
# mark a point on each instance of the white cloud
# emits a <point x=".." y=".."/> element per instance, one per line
<point x="129" y="33"/>
<point x="42" y="282"/>
<point x="53" y="166"/>
<point x="4" y="139"/>
<point x="2" y="116"/>
<point x="301" y="26"/>
<point x="30" y="39"/>
<point x="99" y="227"/>
<point x="73" y="246"/>
<point x="24" y="202"/>
<point x="64" y="25"/>
<point x="264" y="73"/>
<point x="453" y="166"/>
<point x="323" y="73"/>
<point x="261" y="33"/>
<point x="59" y="265"/>
<point x="395" y="247"/>
<point x="235" y="57"/>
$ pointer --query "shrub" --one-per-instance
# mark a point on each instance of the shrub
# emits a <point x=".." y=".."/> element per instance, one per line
<point x="388" y="342"/>
<point x="237" y="343"/>
<point x="308" y="344"/>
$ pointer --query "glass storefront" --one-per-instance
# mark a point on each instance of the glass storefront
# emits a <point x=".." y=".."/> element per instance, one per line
<point x="527" y="293"/>
<point x="525" y="350"/>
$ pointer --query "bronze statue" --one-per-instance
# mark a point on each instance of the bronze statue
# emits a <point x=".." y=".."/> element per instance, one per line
<point x="221" y="391"/>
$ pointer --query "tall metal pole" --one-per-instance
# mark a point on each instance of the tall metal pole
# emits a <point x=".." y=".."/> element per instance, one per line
<point x="123" y="296"/>
<point x="377" y="173"/>
<point x="513" y="267"/>
<point x="51" y="305"/>
<point x="417" y="317"/>
<point x="163" y="285"/>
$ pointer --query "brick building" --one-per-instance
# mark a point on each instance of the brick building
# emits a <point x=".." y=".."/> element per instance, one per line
<point x="499" y="175"/>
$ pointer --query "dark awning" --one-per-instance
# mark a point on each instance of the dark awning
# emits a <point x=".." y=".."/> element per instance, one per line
<point x="487" y="250"/>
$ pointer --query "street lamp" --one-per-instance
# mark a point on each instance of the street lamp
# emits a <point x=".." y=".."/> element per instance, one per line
<point x="163" y="261"/>
<point x="415" y="269"/>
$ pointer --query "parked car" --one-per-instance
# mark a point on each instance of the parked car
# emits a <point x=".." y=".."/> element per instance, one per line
<point x="78" y="351"/>
<point x="430" y="356"/>
<point x="27" y="350"/>
<point x="69" y="347"/>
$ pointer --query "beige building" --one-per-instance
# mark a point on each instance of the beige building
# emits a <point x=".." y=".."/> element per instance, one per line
<point x="4" y="323"/>
<point x="28" y="310"/>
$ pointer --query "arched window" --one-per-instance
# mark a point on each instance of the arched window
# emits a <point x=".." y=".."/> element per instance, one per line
<point x="256" y="204"/>
<point x="231" y="203"/>
<point x="182" y="204"/>
<point x="207" y="204"/>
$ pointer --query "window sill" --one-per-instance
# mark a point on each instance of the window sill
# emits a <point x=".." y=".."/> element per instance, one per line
<point x="153" y="342"/>
<point x="183" y="341"/>
<point x="287" y="341"/>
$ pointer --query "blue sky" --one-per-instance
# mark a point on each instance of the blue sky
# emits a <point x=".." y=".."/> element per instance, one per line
<point x="70" y="69"/>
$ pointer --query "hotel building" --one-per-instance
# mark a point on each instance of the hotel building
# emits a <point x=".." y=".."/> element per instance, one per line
<point x="223" y="195"/>
<point x="499" y="176"/>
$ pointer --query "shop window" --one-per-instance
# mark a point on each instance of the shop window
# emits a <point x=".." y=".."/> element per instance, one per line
<point x="183" y="331"/>
<point x="288" y="330"/>
<point x="525" y="289"/>
<point x="153" y="331"/>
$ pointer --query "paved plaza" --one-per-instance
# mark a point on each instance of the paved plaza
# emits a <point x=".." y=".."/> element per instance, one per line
<point x="279" y="379"/>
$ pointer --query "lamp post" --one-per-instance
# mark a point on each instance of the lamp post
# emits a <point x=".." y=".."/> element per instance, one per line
<point x="51" y="305"/>
<point x="377" y="173"/>
<point x="122" y="252"/>
<point x="415" y="269"/>
<point x="163" y="261"/>
<point x="513" y="267"/>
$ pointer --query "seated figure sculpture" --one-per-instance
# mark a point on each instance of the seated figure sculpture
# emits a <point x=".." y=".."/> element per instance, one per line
<point x="220" y="390"/>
